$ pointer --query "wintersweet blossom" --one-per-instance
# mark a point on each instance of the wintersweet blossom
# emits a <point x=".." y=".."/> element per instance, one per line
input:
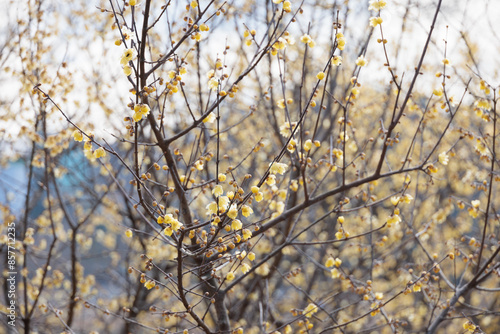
<point x="246" y="210"/>
<point x="443" y="158"/>
<point x="335" y="273"/>
<point x="247" y="234"/>
<point x="99" y="153"/>
<point x="128" y="55"/>
<point x="375" y="21"/>
<point x="287" y="6"/>
<point x="394" y="219"/>
<point x="217" y="191"/>
<point x="278" y="168"/>
<point x="438" y="92"/>
<point x="213" y="83"/>
<point x="150" y="284"/>
<point x="127" y="33"/>
<point x="308" y="145"/>
<point x="320" y="75"/>
<point x="340" y="41"/>
<point x="306" y="39"/>
<point x="286" y="129"/>
<point x="233" y="211"/>
<point x="127" y="70"/>
<point x="483" y="104"/>
<point x="361" y="61"/>
<point x="236" y="225"/>
<point x="337" y="60"/>
<point x="210" y="118"/>
<point x="140" y="111"/>
<point x="310" y="310"/>
<point x="77" y="135"/>
<point x="245" y="268"/>
<point x="377" y="5"/>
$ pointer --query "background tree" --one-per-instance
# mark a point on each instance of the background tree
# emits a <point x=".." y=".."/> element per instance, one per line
<point x="251" y="167"/>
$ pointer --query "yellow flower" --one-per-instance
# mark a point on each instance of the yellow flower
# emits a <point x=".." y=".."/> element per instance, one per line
<point x="308" y="145"/>
<point x="213" y="83"/>
<point x="245" y="268"/>
<point x="377" y="5"/>
<point x="329" y="262"/>
<point x="251" y="256"/>
<point x="438" y="92"/>
<point x="446" y="61"/>
<point x="212" y="208"/>
<point x="246" y="210"/>
<point x="127" y="70"/>
<point x="233" y="211"/>
<point x="306" y="39"/>
<point x="210" y="118"/>
<point x="375" y="21"/>
<point x="361" y="61"/>
<point x="286" y="128"/>
<point x="236" y="225"/>
<point x="379" y="295"/>
<point x="337" y="60"/>
<point x="247" y="234"/>
<point x="127" y="34"/>
<point x="483" y="104"/>
<point x="337" y="262"/>
<point x="77" y="135"/>
<point x="259" y="196"/>
<point x="271" y="180"/>
<point x="128" y="55"/>
<point x="221" y="177"/>
<point x="99" y="153"/>
<point x="194" y="4"/>
<point x="176" y="225"/>
<point x="310" y="310"/>
<point x="394" y="219"/>
<point x="230" y="276"/>
<point x="198" y="165"/>
<point x="340" y="41"/>
<point x="281" y="104"/>
<point x="217" y="191"/>
<point x="320" y="75"/>
<point x="335" y="273"/>
<point x="263" y="270"/>
<point x="278" y="168"/>
<point x="443" y="158"/>
<point x="407" y="198"/>
<point x="476" y="203"/>
<point x="128" y="233"/>
<point x="287" y="6"/>
<point x="168" y="231"/>
<point x="395" y="200"/>
<point x="150" y="284"/>
<point x="254" y="189"/>
<point x="204" y="27"/>
<point x="132" y="2"/>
